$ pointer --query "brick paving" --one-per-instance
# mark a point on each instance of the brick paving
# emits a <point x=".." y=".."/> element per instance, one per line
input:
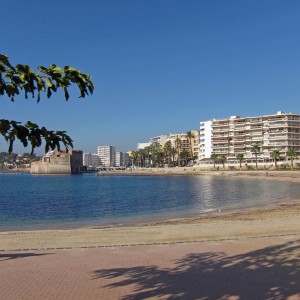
<point x="265" y="268"/>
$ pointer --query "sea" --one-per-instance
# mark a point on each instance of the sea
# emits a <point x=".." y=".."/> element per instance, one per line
<point x="29" y="202"/>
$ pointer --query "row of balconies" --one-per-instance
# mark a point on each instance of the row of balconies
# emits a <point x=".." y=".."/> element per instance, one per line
<point x="260" y="129"/>
<point x="245" y="128"/>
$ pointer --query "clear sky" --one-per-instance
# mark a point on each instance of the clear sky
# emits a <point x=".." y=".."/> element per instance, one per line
<point x="159" y="66"/>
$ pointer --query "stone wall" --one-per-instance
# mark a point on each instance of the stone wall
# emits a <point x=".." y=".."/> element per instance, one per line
<point x="58" y="169"/>
<point x="60" y="163"/>
<point x="56" y="163"/>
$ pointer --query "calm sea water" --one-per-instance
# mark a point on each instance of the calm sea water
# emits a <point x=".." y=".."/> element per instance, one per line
<point x="29" y="202"/>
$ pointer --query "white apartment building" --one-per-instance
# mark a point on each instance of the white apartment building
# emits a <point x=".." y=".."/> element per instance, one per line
<point x="106" y="155"/>
<point x="142" y="145"/>
<point x="91" y="160"/>
<point x="205" y="147"/>
<point x="235" y="135"/>
<point x="161" y="139"/>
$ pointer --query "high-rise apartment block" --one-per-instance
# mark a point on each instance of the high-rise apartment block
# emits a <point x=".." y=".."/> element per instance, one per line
<point x="106" y="155"/>
<point x="121" y="159"/>
<point x="235" y="135"/>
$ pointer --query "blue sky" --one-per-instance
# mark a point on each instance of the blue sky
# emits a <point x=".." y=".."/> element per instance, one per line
<point x="159" y="66"/>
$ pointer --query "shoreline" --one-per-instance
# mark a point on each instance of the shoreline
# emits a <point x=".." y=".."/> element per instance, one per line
<point x="291" y="176"/>
<point x="280" y="218"/>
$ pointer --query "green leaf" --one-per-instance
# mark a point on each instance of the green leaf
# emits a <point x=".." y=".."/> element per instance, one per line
<point x="66" y="93"/>
<point x="49" y="82"/>
<point x="49" y="93"/>
<point x="58" y="70"/>
<point x="43" y="69"/>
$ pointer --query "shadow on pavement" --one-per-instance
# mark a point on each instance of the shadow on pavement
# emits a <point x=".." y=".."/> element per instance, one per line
<point x="8" y="256"/>
<point x="268" y="273"/>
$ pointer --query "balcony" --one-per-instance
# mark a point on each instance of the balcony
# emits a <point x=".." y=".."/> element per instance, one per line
<point x="277" y="119"/>
<point x="277" y="131"/>
<point x="220" y="146"/>
<point x="255" y="120"/>
<point x="219" y="130"/>
<point x="217" y="151"/>
<point x="278" y="137"/>
<point x="220" y="125"/>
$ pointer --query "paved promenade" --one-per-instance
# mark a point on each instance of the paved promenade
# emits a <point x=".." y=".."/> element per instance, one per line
<point x="257" y="268"/>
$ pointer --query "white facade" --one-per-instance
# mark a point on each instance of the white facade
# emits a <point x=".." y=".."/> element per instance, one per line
<point x="235" y="135"/>
<point x="205" y="145"/>
<point x="91" y="160"/>
<point x="106" y="155"/>
<point x="161" y="139"/>
<point x="118" y="159"/>
<point x="142" y="145"/>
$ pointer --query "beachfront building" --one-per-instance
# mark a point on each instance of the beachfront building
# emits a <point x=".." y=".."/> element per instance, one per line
<point x="190" y="145"/>
<point x="160" y="139"/>
<point x="185" y="141"/>
<point x="106" y="155"/>
<point x="121" y="159"/>
<point x="235" y="135"/>
<point x="141" y="146"/>
<point x="91" y="160"/>
<point x="205" y="148"/>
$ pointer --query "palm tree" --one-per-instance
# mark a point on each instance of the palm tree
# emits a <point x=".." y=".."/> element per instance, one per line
<point x="167" y="151"/>
<point x="185" y="155"/>
<point x="223" y="160"/>
<point x="276" y="155"/>
<point x="155" y="149"/>
<point x="292" y="154"/>
<point x="228" y="148"/>
<point x="142" y="156"/>
<point x="215" y="158"/>
<point x="147" y="152"/>
<point x="160" y="158"/>
<point x="240" y="157"/>
<point x="190" y="136"/>
<point x="173" y="153"/>
<point x="255" y="149"/>
<point x="134" y="157"/>
<point x="178" y="144"/>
